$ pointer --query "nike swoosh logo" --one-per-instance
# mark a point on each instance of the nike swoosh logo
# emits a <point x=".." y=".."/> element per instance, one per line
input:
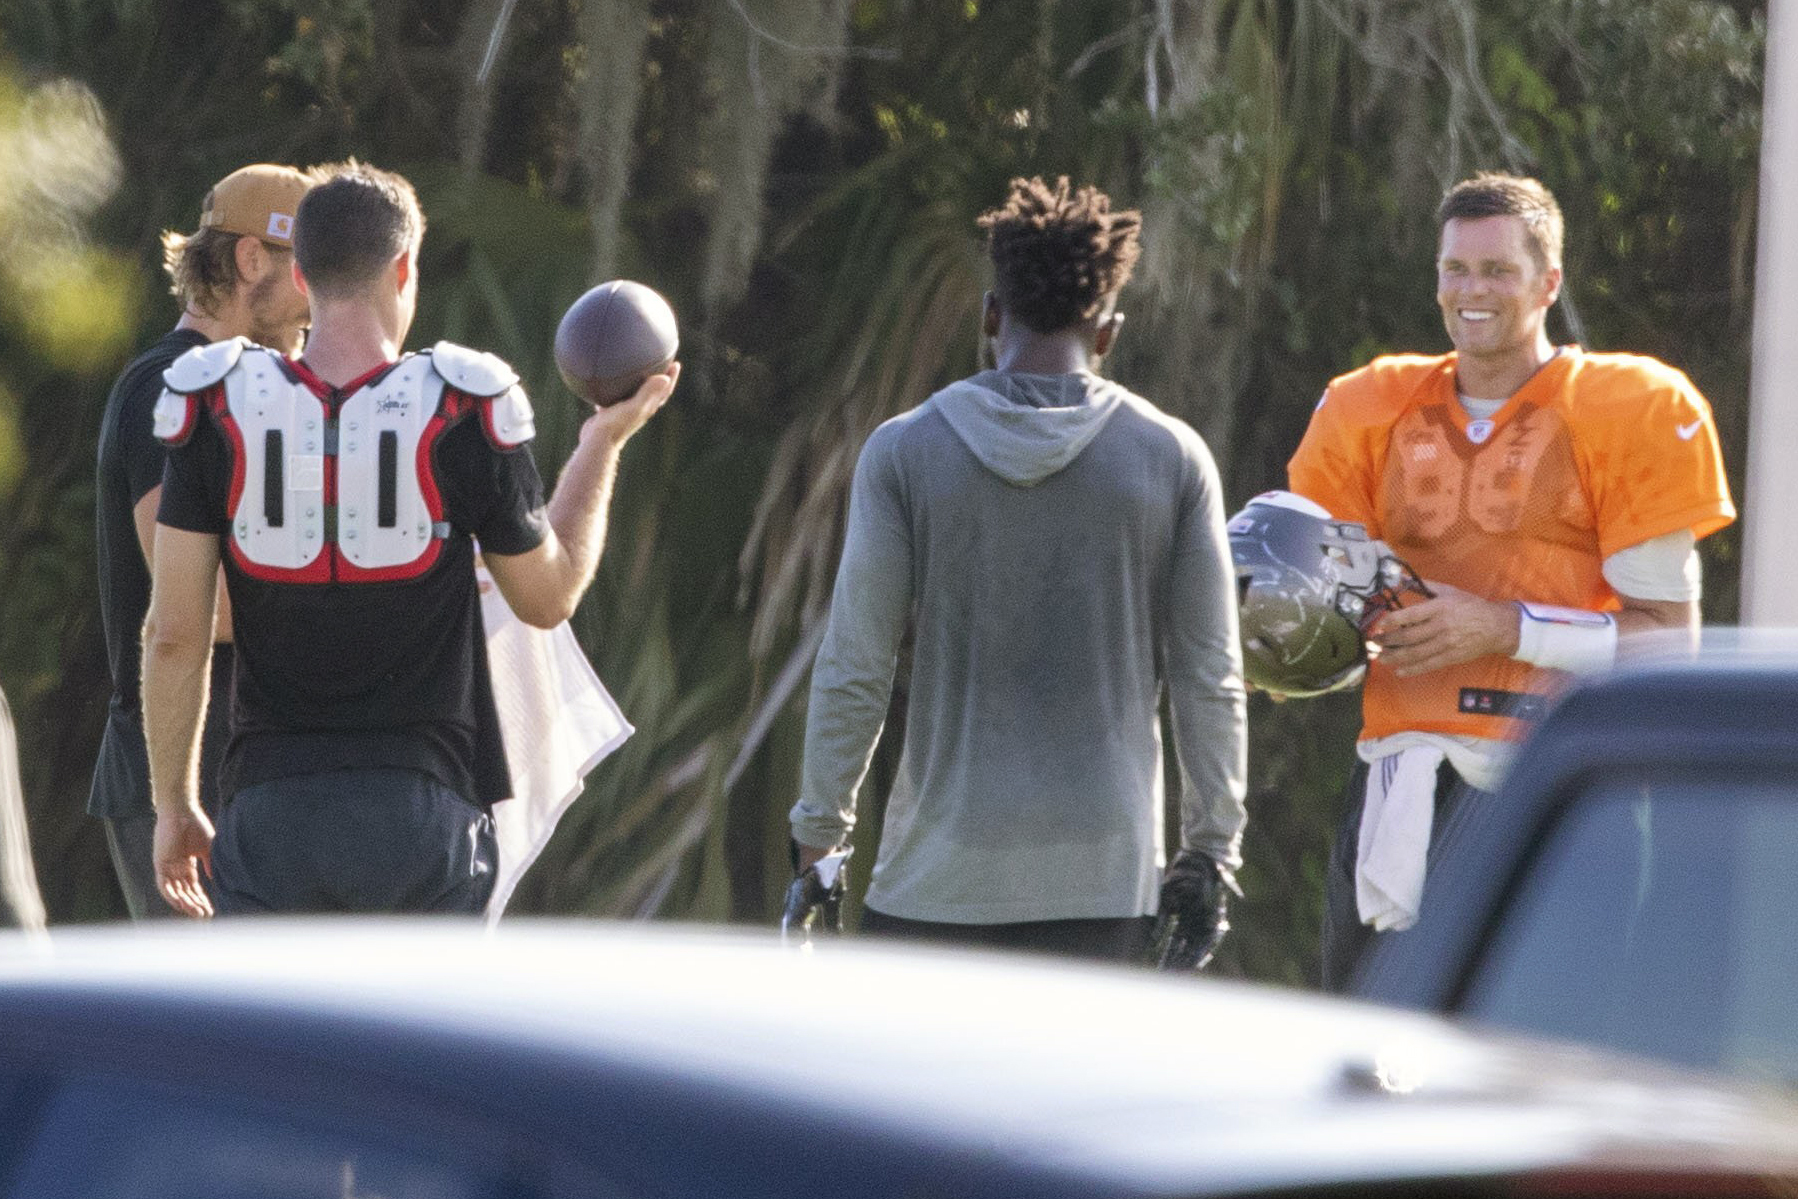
<point x="1687" y="432"/>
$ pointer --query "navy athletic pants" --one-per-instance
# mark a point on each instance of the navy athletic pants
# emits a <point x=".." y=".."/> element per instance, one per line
<point x="379" y="840"/>
<point x="1345" y="938"/>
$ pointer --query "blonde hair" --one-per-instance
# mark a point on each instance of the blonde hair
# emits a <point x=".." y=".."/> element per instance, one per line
<point x="202" y="267"/>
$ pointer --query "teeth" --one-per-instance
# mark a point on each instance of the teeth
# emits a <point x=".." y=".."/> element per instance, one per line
<point x="1473" y="314"/>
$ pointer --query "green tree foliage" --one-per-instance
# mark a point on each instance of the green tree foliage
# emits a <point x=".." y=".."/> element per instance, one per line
<point x="801" y="177"/>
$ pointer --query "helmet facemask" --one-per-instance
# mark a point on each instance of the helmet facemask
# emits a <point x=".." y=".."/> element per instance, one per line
<point x="1392" y="582"/>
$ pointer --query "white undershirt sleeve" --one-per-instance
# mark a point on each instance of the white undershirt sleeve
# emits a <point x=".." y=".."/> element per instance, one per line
<point x="1662" y="568"/>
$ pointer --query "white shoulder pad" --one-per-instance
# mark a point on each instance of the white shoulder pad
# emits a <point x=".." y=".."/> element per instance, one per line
<point x="472" y="371"/>
<point x="203" y="366"/>
<point x="174" y="417"/>
<point x="508" y="419"/>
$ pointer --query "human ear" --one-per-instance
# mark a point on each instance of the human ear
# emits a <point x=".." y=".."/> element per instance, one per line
<point x="251" y="258"/>
<point x="1107" y="335"/>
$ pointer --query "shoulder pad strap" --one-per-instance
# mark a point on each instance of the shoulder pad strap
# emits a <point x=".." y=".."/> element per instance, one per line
<point x="203" y="366"/>
<point x="508" y="419"/>
<point x="471" y="371"/>
<point x="175" y="416"/>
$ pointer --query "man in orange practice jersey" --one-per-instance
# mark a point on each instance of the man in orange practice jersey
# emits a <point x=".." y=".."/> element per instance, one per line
<point x="1551" y="498"/>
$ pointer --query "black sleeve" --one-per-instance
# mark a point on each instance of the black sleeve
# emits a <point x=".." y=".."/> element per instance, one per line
<point x="193" y="482"/>
<point x="141" y="452"/>
<point x="494" y="495"/>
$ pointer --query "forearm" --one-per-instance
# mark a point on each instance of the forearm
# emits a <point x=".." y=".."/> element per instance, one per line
<point x="1501" y="624"/>
<point x="1457" y="626"/>
<point x="1639" y="617"/>
<point x="175" y="674"/>
<point x="1581" y="641"/>
<point x="577" y="512"/>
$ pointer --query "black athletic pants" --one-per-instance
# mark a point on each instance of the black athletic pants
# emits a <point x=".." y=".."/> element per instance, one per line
<point x="131" y="838"/>
<point x="1123" y="939"/>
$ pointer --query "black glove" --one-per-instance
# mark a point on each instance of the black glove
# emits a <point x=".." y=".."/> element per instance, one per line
<point x="1194" y="905"/>
<point x="815" y="896"/>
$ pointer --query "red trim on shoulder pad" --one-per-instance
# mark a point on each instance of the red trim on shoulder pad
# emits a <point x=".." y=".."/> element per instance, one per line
<point x="349" y="572"/>
<point x="485" y="404"/>
<point x="221" y="414"/>
<point x="318" y="570"/>
<point x="180" y="436"/>
<point x="322" y="389"/>
<point x="453" y="404"/>
<point x="303" y="374"/>
<point x="457" y="404"/>
<point x="425" y="463"/>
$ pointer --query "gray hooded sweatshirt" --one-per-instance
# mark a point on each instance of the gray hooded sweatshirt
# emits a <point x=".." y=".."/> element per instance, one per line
<point x="1059" y="544"/>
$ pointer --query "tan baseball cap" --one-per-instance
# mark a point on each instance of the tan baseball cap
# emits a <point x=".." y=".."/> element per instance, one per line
<point x="256" y="201"/>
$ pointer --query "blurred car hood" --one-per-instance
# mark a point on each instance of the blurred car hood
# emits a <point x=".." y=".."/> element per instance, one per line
<point x="1176" y="1084"/>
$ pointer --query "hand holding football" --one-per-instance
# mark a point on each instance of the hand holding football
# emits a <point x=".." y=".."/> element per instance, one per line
<point x="613" y="338"/>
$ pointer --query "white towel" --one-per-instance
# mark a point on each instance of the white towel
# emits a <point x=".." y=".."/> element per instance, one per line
<point x="558" y="723"/>
<point x="1394" y="845"/>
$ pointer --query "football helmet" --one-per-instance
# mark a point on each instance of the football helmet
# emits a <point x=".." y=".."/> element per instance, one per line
<point x="1309" y="588"/>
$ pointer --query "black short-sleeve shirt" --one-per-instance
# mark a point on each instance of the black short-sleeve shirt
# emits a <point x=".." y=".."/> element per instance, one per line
<point x="129" y="467"/>
<point x="340" y="675"/>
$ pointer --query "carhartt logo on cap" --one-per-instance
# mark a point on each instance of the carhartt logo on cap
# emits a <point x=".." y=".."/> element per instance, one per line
<point x="256" y="201"/>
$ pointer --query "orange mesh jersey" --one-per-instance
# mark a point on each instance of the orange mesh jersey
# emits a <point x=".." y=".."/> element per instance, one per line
<point x="1596" y="453"/>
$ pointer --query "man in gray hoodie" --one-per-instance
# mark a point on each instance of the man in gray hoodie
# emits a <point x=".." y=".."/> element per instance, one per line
<point x="1059" y="544"/>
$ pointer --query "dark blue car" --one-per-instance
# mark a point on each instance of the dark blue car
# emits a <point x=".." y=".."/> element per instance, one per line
<point x="1634" y="884"/>
<point x="346" y="1060"/>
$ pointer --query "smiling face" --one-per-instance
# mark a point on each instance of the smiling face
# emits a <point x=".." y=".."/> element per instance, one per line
<point x="1495" y="293"/>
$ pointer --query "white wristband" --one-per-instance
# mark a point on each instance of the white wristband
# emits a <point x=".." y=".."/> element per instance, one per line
<point x="1573" y="639"/>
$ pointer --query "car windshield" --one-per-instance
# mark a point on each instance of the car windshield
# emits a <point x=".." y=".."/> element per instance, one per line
<point x="1659" y="919"/>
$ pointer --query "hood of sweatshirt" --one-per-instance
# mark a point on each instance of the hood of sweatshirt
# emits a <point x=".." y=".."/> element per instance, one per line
<point x="1024" y="428"/>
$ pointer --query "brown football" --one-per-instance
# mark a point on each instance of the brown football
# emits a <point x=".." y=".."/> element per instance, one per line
<point x="613" y="338"/>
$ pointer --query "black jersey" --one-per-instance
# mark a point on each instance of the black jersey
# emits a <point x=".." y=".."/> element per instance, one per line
<point x="130" y="467"/>
<point x="344" y="675"/>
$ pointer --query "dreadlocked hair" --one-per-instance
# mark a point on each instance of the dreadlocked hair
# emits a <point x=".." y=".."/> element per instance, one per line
<point x="1059" y="253"/>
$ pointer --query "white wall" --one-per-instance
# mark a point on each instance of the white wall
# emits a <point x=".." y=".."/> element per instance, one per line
<point x="1770" y="542"/>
